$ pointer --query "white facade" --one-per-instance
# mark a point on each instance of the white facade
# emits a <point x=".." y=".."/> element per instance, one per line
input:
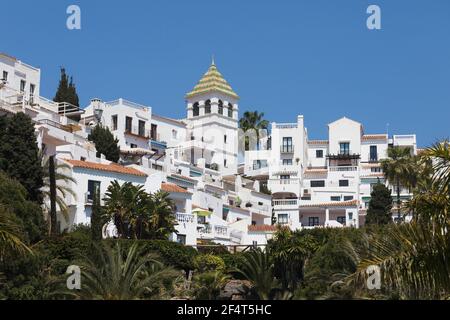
<point x="314" y="183"/>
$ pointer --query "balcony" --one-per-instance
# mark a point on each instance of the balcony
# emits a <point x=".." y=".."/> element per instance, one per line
<point x="210" y="232"/>
<point x="285" y="202"/>
<point x="287" y="149"/>
<point x="138" y="132"/>
<point x="185" y="218"/>
<point x="343" y="169"/>
<point x="55" y="125"/>
<point x="372" y="157"/>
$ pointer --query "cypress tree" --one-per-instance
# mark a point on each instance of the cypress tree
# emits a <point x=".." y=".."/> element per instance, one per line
<point x="19" y="154"/>
<point x="97" y="217"/>
<point x="66" y="90"/>
<point x="105" y="143"/>
<point x="380" y="206"/>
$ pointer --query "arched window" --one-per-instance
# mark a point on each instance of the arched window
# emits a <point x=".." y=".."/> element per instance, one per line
<point x="221" y="107"/>
<point x="208" y="106"/>
<point x="230" y="110"/>
<point x="196" y="109"/>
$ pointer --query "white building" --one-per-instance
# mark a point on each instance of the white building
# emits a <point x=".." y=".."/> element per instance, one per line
<point x="314" y="183"/>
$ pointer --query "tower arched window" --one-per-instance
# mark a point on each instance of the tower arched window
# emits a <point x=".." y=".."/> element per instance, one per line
<point x="220" y="107"/>
<point x="230" y="110"/>
<point x="208" y="107"/>
<point x="196" y="109"/>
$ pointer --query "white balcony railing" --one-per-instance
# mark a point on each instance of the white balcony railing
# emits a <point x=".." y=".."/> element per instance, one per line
<point x="185" y="218"/>
<point x="285" y="202"/>
<point x="343" y="169"/>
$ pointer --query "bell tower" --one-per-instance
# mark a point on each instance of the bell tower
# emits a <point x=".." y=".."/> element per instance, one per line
<point x="212" y="117"/>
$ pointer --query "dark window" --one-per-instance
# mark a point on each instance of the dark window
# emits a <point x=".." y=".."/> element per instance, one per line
<point x="230" y="110"/>
<point x="287" y="145"/>
<point x="348" y="198"/>
<point x="208" y="107"/>
<point x="5" y="76"/>
<point x="114" y="122"/>
<point x="373" y="153"/>
<point x="141" y="128"/>
<point x="335" y="198"/>
<point x="317" y="183"/>
<point x="287" y="162"/>
<point x="343" y="183"/>
<point x="22" y="85"/>
<point x="32" y="89"/>
<point x="181" y="239"/>
<point x="220" y="107"/>
<point x="225" y="163"/>
<point x="341" y="220"/>
<point x="225" y="139"/>
<point x="133" y="146"/>
<point x="344" y="148"/>
<point x="196" y="109"/>
<point x="313" y="221"/>
<point x="319" y="153"/>
<point x="128" y="124"/>
<point x="154" y="132"/>
<point x="93" y="187"/>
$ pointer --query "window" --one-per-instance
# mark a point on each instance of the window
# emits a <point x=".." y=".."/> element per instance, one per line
<point x="348" y="198"/>
<point x="373" y="154"/>
<point x="319" y="153"/>
<point x="343" y="183"/>
<point x="32" y="89"/>
<point x="225" y="163"/>
<point x="220" y="107"/>
<point x="287" y="145"/>
<point x="285" y="179"/>
<point x="201" y="219"/>
<point x="93" y="187"/>
<point x="283" y="218"/>
<point x="341" y="220"/>
<point x="133" y="146"/>
<point x="317" y="183"/>
<point x="208" y="107"/>
<point x="335" y="198"/>
<point x="287" y="162"/>
<point x="154" y="132"/>
<point x="196" y="109"/>
<point x="128" y="124"/>
<point x="5" y="76"/>
<point x="225" y="139"/>
<point x="22" y="85"/>
<point x="344" y="148"/>
<point x="174" y="134"/>
<point x="258" y="164"/>
<point x="313" y="221"/>
<point x="141" y="128"/>
<point x="230" y="110"/>
<point x="375" y="170"/>
<point x="114" y="122"/>
<point x="181" y="239"/>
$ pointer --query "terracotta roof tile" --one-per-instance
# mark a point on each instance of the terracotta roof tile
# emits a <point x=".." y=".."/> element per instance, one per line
<point x="262" y="228"/>
<point x="332" y="204"/>
<point x="170" y="187"/>
<point x="318" y="142"/>
<point x="112" y="167"/>
<point x="374" y="137"/>
<point x="179" y="176"/>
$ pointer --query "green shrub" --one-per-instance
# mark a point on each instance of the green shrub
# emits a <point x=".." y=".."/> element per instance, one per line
<point x="209" y="262"/>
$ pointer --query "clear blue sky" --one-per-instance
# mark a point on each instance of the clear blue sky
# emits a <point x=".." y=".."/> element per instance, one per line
<point x="284" y="58"/>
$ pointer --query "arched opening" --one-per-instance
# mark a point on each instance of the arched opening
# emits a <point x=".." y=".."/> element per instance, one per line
<point x="221" y="107"/>
<point x="196" y="109"/>
<point x="208" y="107"/>
<point x="230" y="110"/>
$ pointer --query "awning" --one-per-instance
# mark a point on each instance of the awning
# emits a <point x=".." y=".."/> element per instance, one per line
<point x="201" y="212"/>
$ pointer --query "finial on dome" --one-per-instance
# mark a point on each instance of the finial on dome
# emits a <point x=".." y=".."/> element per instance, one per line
<point x="213" y="63"/>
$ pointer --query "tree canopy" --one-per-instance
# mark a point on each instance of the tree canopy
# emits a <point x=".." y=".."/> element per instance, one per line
<point x="105" y="143"/>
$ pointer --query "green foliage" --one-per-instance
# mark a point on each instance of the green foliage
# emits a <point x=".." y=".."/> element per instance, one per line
<point x="97" y="218"/>
<point x="26" y="214"/>
<point x="207" y="286"/>
<point x="253" y="121"/>
<point x="19" y="154"/>
<point x="380" y="206"/>
<point x="66" y="91"/>
<point x="209" y="262"/>
<point x="105" y="143"/>
<point x="174" y="254"/>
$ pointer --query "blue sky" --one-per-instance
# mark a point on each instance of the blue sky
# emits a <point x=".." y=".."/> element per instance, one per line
<point x="284" y="58"/>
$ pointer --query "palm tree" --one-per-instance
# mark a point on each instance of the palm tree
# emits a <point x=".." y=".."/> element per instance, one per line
<point x="253" y="121"/>
<point x="54" y="171"/>
<point x="397" y="170"/>
<point x="10" y="235"/>
<point x="207" y="285"/>
<point x="162" y="218"/>
<point x="257" y="267"/>
<point x="116" y="274"/>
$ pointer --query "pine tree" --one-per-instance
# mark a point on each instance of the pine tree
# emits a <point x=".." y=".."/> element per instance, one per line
<point x="380" y="206"/>
<point x="105" y="143"/>
<point x="66" y="90"/>
<point x="97" y="220"/>
<point x="19" y="154"/>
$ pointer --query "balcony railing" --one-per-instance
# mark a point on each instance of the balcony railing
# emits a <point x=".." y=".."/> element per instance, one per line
<point x="285" y="202"/>
<point x="136" y="131"/>
<point x="185" y="218"/>
<point x="343" y="169"/>
<point x="287" y="149"/>
<point x="55" y="124"/>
